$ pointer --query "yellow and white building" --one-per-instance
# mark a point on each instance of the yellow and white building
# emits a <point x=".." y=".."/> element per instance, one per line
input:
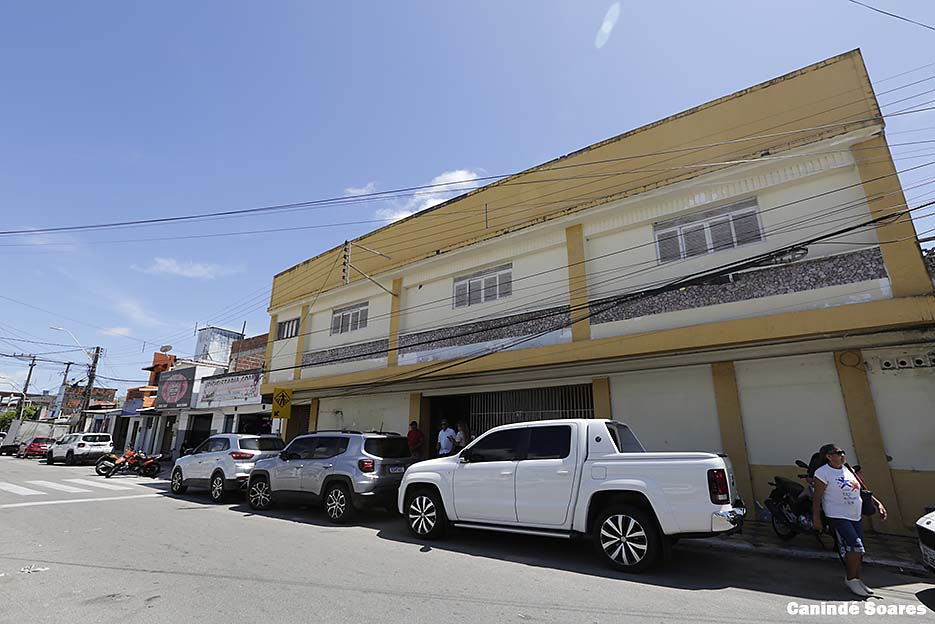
<point x="527" y="298"/>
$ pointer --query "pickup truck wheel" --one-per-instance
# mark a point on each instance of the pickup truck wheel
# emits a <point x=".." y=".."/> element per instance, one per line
<point x="626" y="538"/>
<point x="425" y="515"/>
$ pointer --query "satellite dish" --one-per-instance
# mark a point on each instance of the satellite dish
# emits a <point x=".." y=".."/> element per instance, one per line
<point x="165" y="348"/>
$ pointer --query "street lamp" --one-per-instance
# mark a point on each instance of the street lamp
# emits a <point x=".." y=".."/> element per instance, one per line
<point x="73" y="337"/>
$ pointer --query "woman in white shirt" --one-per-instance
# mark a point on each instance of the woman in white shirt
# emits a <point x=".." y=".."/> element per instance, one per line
<point x="837" y="491"/>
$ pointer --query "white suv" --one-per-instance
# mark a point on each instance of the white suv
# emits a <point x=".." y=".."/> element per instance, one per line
<point x="80" y="447"/>
<point x="222" y="463"/>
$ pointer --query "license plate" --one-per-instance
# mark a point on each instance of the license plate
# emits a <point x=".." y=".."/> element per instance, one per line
<point x="928" y="555"/>
<point x="397" y="469"/>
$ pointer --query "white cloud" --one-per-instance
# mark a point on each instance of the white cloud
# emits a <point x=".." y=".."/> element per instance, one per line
<point x="607" y="26"/>
<point x="441" y="188"/>
<point x="186" y="268"/>
<point x="368" y="188"/>
<point x="137" y="312"/>
<point x="115" y="331"/>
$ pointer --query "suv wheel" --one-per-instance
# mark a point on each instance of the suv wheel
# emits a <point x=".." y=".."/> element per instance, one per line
<point x="338" y="505"/>
<point x="259" y="494"/>
<point x="626" y="538"/>
<point x="49" y="458"/>
<point x="69" y="459"/>
<point x="216" y="489"/>
<point x="425" y="514"/>
<point x="177" y="484"/>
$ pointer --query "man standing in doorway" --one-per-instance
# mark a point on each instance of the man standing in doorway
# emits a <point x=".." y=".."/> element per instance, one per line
<point x="446" y="440"/>
<point x="415" y="440"/>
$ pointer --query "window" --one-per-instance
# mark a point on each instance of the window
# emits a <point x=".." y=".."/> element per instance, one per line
<point x="388" y="448"/>
<point x="301" y="448"/>
<point x="549" y="442"/>
<point x="624" y="439"/>
<point x="229" y="423"/>
<point x="485" y="286"/>
<point x="97" y="438"/>
<point x="349" y="319"/>
<point x="216" y="445"/>
<point x="500" y="446"/>
<point x="708" y="232"/>
<point x="287" y="329"/>
<point x="327" y="447"/>
<point x="262" y="444"/>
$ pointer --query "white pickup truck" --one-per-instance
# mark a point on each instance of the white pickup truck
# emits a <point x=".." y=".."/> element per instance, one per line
<point x="565" y="478"/>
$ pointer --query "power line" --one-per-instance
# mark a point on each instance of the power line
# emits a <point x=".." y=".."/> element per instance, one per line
<point x="899" y="17"/>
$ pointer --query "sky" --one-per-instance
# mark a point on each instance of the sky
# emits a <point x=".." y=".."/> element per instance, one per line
<point x="124" y="110"/>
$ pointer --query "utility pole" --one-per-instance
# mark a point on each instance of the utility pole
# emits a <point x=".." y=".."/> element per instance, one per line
<point x="59" y="404"/>
<point x="86" y="401"/>
<point x="22" y="404"/>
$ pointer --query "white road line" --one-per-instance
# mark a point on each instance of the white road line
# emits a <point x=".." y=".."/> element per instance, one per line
<point x="98" y="484"/>
<point x="19" y="490"/>
<point x="77" y="500"/>
<point x="52" y="485"/>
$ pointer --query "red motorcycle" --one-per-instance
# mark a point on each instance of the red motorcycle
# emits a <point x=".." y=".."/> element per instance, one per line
<point x="131" y="462"/>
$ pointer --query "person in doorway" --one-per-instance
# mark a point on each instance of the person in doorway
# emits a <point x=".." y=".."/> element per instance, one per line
<point x="416" y="438"/>
<point x="446" y="440"/>
<point x="463" y="437"/>
<point x="837" y="492"/>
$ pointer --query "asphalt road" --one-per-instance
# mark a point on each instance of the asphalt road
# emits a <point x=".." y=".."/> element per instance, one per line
<point x="71" y="551"/>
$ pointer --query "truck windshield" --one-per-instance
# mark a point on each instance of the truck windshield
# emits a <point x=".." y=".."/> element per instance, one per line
<point x="624" y="439"/>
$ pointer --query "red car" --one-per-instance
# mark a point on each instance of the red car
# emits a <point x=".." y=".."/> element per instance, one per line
<point x="36" y="447"/>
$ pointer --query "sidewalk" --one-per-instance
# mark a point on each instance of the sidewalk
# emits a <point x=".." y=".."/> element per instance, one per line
<point x="894" y="552"/>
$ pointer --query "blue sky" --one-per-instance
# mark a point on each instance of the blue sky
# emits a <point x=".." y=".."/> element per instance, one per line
<point x="129" y="110"/>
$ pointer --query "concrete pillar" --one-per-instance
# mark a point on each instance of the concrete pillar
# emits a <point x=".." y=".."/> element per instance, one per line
<point x="392" y="355"/>
<point x="301" y="341"/>
<point x="577" y="283"/>
<point x="868" y="441"/>
<point x="271" y="338"/>
<point x="313" y="415"/>
<point x="600" y="389"/>
<point x="730" y="419"/>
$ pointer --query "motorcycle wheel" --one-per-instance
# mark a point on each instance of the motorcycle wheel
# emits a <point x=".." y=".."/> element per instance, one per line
<point x="783" y="530"/>
<point x="152" y="470"/>
<point x="103" y="466"/>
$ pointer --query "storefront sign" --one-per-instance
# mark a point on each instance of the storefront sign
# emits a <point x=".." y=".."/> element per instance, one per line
<point x="232" y="389"/>
<point x="131" y="407"/>
<point x="175" y="388"/>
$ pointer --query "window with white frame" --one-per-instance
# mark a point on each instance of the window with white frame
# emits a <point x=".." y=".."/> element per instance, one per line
<point x="349" y="319"/>
<point x="714" y="230"/>
<point x="483" y="286"/>
<point x="287" y="329"/>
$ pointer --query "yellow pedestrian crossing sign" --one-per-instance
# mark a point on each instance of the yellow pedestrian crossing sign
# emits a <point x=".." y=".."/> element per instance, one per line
<point x="282" y="403"/>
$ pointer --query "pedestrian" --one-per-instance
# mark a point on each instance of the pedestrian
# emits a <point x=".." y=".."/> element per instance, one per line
<point x="416" y="438"/>
<point x="446" y="440"/>
<point x="463" y="437"/>
<point x="837" y="492"/>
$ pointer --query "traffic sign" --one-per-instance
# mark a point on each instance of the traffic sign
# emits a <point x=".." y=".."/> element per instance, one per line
<point x="282" y="402"/>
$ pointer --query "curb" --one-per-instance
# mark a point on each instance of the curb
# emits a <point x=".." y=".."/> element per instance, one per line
<point x="894" y="565"/>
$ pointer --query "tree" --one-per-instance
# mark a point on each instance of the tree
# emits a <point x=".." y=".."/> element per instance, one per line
<point x="30" y="412"/>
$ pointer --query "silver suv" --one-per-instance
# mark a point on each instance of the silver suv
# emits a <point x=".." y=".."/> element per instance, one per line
<point x="339" y="470"/>
<point x="222" y="463"/>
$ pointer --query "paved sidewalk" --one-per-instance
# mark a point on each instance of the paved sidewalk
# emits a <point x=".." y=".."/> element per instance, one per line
<point x="897" y="553"/>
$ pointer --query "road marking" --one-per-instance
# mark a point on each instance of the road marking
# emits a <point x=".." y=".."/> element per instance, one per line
<point x="77" y="500"/>
<point x="97" y="484"/>
<point x="52" y="485"/>
<point x="19" y="490"/>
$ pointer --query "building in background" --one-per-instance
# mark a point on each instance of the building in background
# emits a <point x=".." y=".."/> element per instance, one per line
<point x="140" y="401"/>
<point x="214" y="344"/>
<point x="736" y="278"/>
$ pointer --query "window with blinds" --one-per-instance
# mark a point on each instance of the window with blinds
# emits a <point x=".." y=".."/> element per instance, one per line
<point x="287" y="329"/>
<point x="483" y="286"/>
<point x="349" y="319"/>
<point x="711" y="231"/>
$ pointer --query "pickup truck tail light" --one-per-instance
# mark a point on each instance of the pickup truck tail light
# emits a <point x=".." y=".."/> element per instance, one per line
<point x="241" y="456"/>
<point x="365" y="465"/>
<point x="717" y="486"/>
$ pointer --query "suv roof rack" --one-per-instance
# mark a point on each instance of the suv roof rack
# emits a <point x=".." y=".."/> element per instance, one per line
<point x="389" y="433"/>
<point x="334" y="431"/>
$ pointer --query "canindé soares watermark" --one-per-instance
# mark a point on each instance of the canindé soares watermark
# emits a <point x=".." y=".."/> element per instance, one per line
<point x="850" y="608"/>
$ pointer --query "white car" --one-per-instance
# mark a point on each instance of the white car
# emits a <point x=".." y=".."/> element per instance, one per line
<point x="925" y="526"/>
<point x="563" y="478"/>
<point x="80" y="447"/>
<point x="222" y="463"/>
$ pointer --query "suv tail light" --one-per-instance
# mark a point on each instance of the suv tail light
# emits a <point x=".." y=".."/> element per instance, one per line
<point x="81" y="445"/>
<point x="717" y="486"/>
<point x="241" y="456"/>
<point x="365" y="465"/>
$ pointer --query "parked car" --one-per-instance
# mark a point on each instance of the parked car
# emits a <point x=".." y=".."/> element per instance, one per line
<point x="563" y="478"/>
<point x="339" y="470"/>
<point x="34" y="447"/>
<point x="925" y="527"/>
<point x="80" y="448"/>
<point x="222" y="463"/>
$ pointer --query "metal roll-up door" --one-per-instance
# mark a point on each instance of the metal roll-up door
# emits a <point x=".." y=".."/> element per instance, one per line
<point x="492" y="409"/>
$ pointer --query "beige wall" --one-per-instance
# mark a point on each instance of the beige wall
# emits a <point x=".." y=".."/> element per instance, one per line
<point x="387" y="411"/>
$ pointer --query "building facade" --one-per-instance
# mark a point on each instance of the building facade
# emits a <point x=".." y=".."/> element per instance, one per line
<point x="741" y="277"/>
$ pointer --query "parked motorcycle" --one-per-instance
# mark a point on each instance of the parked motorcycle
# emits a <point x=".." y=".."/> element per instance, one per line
<point x="130" y="462"/>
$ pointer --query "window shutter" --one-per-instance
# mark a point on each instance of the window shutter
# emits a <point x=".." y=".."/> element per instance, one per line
<point x="345" y="322"/>
<point x="747" y="228"/>
<point x="696" y="242"/>
<point x="474" y="292"/>
<point x="668" y="243"/>
<point x="461" y="294"/>
<point x="490" y="288"/>
<point x="722" y="236"/>
<point x="355" y="320"/>
<point x="364" y="311"/>
<point x="505" y="284"/>
<point x="335" y="324"/>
